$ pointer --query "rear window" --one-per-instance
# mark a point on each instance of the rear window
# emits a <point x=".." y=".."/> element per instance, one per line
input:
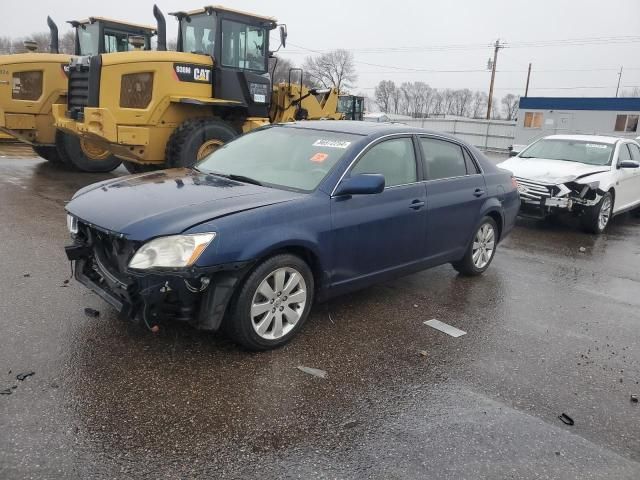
<point x="569" y="150"/>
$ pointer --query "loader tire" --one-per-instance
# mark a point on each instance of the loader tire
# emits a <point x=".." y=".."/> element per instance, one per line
<point x="71" y="150"/>
<point x="49" y="153"/>
<point x="195" y="139"/>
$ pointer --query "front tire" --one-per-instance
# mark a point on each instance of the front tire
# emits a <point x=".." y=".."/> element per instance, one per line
<point x="195" y="139"/>
<point x="481" y="250"/>
<point x="85" y="156"/>
<point x="272" y="304"/>
<point x="49" y="153"/>
<point x="595" y="219"/>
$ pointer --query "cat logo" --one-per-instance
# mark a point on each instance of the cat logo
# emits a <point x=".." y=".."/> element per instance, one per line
<point x="201" y="74"/>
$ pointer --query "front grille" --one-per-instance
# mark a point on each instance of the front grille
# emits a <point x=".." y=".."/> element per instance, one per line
<point x="111" y="254"/>
<point x="533" y="191"/>
<point x="78" y="94"/>
<point x="84" y="85"/>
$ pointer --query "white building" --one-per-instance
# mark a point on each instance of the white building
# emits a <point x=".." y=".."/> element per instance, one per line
<point x="542" y="116"/>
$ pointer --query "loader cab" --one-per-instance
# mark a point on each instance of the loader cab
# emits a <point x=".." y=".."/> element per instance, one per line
<point x="102" y="35"/>
<point x="238" y="42"/>
<point x="351" y="106"/>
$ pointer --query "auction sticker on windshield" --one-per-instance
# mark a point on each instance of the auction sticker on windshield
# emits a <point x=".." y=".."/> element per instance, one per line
<point x="596" y="145"/>
<point x="319" y="157"/>
<point x="331" y="143"/>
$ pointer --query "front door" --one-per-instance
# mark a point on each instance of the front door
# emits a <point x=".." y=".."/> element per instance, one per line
<point x="628" y="179"/>
<point x="379" y="233"/>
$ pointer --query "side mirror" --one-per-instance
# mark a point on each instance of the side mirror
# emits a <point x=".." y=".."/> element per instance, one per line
<point x="628" y="164"/>
<point x="363" y="184"/>
<point x="283" y="36"/>
<point x="513" y="153"/>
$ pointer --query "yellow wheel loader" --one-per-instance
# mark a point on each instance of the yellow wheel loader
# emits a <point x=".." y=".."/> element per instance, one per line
<point x="31" y="83"/>
<point x="170" y="109"/>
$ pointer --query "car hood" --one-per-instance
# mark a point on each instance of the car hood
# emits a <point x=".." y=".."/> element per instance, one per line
<point x="167" y="202"/>
<point x="550" y="172"/>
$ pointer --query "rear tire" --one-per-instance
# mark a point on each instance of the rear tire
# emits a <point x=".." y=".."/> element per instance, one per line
<point x="49" y="153"/>
<point x="272" y="304"/>
<point x="195" y="139"/>
<point x="595" y="219"/>
<point x="481" y="250"/>
<point x="70" y="148"/>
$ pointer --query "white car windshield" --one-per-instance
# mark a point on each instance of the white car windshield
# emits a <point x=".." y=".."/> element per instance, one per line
<point x="590" y="153"/>
<point x="284" y="157"/>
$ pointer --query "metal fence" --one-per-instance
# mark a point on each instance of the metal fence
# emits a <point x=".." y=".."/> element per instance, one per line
<point x="489" y="135"/>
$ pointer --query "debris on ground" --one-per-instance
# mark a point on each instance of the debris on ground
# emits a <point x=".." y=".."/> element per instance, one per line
<point x="22" y="376"/>
<point x="91" y="313"/>
<point x="566" y="419"/>
<point x="634" y="398"/>
<point x="6" y="391"/>
<point x="313" y="371"/>
<point x="443" y="327"/>
<point x="350" y="424"/>
<point x="65" y="283"/>
<point x="582" y="249"/>
<point x="424" y="353"/>
<point x="155" y="329"/>
<point x="26" y="275"/>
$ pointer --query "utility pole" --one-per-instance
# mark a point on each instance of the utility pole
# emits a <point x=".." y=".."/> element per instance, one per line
<point x="526" y="89"/>
<point x="619" y="78"/>
<point x="497" y="46"/>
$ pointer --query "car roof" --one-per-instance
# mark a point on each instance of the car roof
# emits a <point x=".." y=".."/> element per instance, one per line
<point x="586" y="138"/>
<point x="356" y="127"/>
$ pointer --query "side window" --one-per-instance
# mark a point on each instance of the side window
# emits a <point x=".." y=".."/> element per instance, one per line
<point x="533" y="119"/>
<point x="623" y="153"/>
<point x="443" y="159"/>
<point x="635" y="151"/>
<point x="395" y="159"/>
<point x="472" y="168"/>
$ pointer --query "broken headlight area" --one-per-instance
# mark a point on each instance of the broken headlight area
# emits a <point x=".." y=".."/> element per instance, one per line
<point x="102" y="263"/>
<point x="540" y="200"/>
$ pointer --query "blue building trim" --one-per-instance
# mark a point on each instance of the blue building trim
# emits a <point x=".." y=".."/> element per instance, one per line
<point x="576" y="103"/>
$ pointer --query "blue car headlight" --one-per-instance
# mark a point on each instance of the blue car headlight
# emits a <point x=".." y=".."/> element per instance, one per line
<point x="175" y="251"/>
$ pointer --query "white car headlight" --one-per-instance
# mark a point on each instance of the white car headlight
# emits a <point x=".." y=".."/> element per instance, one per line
<point x="175" y="251"/>
<point x="72" y="224"/>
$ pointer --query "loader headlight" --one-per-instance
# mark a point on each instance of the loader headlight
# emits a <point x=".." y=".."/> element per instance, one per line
<point x="136" y="90"/>
<point x="27" y="85"/>
<point x="176" y="251"/>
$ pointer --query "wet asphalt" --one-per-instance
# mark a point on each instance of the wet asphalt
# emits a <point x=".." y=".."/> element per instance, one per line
<point x="550" y="329"/>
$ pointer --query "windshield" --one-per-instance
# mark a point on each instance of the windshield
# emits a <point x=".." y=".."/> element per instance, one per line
<point x="244" y="46"/>
<point x="198" y="34"/>
<point x="289" y="158"/>
<point x="590" y="153"/>
<point x="88" y="36"/>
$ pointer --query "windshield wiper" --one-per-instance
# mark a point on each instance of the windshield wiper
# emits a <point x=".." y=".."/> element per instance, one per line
<point x="242" y="178"/>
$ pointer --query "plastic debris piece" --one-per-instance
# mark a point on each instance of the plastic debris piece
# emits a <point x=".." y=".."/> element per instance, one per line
<point x="316" y="372"/>
<point x="91" y="313"/>
<point x="22" y="376"/>
<point x="443" y="327"/>
<point x="634" y="398"/>
<point x="582" y="249"/>
<point x="6" y="391"/>
<point x="26" y="275"/>
<point x="566" y="419"/>
<point x="350" y="424"/>
<point x="424" y="353"/>
<point x="155" y="329"/>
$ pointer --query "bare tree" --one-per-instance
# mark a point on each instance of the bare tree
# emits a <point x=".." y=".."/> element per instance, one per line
<point x="172" y="44"/>
<point x="495" y="110"/>
<point x="510" y="105"/>
<point x="382" y="95"/>
<point x="332" y="69"/>
<point x="68" y="42"/>
<point x="461" y="102"/>
<point x="6" y="45"/>
<point x="478" y="104"/>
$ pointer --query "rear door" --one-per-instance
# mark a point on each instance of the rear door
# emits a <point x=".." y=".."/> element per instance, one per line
<point x="626" y="193"/>
<point x="374" y="234"/>
<point x="456" y="192"/>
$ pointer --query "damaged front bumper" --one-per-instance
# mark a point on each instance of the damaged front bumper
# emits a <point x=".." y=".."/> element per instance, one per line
<point x="197" y="295"/>
<point x="540" y="200"/>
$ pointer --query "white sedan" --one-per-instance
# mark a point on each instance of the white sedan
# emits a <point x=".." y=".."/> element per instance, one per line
<point x="592" y="176"/>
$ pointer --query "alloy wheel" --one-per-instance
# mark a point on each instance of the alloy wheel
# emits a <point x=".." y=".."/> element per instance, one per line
<point x="278" y="303"/>
<point x="483" y="246"/>
<point x="605" y="212"/>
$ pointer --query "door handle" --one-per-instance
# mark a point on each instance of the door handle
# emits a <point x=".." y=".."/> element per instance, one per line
<point x="478" y="192"/>
<point x="417" y="204"/>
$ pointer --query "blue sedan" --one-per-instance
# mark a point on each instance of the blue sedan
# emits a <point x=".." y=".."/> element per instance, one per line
<point x="285" y="216"/>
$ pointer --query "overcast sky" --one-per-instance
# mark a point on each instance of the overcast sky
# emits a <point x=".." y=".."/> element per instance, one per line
<point x="409" y="40"/>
